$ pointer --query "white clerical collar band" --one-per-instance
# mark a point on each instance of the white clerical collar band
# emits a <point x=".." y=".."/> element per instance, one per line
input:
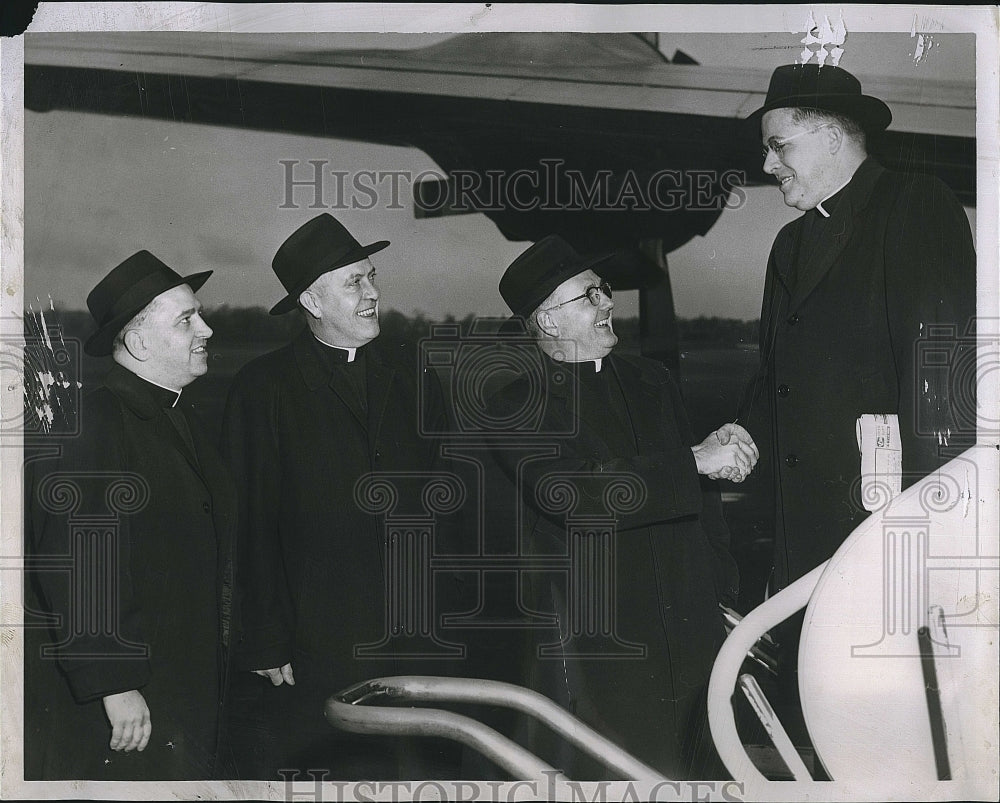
<point x="171" y="390"/>
<point x="597" y="363"/>
<point x="819" y="206"/>
<point x="350" y="351"/>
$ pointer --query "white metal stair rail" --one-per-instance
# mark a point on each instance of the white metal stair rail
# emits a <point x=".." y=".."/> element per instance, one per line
<point x="349" y="710"/>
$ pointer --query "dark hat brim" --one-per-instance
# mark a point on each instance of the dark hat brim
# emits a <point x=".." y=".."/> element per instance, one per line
<point x="545" y="289"/>
<point x="869" y="112"/>
<point x="100" y="343"/>
<point x="288" y="303"/>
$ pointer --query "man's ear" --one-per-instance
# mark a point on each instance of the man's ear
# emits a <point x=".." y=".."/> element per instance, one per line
<point x="135" y="344"/>
<point x="834" y="137"/>
<point x="546" y="324"/>
<point x="309" y="302"/>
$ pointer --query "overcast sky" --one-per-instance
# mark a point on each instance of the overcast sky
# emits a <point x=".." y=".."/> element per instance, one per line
<point x="99" y="188"/>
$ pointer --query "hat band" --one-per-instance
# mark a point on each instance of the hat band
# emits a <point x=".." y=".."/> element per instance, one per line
<point x="546" y="285"/>
<point x="318" y="268"/>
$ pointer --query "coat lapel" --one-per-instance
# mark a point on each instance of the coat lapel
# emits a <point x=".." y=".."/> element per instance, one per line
<point x="561" y="381"/>
<point x="785" y="254"/>
<point x="316" y="375"/>
<point x="339" y="385"/>
<point x="639" y="394"/>
<point x="133" y="393"/>
<point x="642" y="401"/>
<point x="817" y="257"/>
<point x="380" y="379"/>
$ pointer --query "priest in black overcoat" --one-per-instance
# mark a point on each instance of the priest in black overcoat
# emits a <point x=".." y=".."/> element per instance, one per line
<point x="620" y="493"/>
<point x="130" y="535"/>
<point x="868" y="309"/>
<point x="868" y="316"/>
<point x="304" y="427"/>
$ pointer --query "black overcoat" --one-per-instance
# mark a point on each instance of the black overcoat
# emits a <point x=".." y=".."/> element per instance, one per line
<point x="672" y="560"/>
<point x="878" y="325"/>
<point x="313" y="556"/>
<point x="166" y="519"/>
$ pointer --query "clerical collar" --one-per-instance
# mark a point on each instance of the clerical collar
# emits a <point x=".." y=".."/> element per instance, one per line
<point x="598" y="363"/>
<point x="167" y="397"/>
<point x="350" y="352"/>
<point x="819" y="206"/>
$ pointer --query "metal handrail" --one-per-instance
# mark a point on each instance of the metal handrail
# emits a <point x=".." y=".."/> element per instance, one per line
<point x="762" y="652"/>
<point x="382" y="720"/>
<point x="727" y="667"/>
<point x="345" y="710"/>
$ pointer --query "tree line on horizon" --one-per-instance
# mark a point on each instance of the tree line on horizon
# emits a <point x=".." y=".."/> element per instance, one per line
<point x="234" y="326"/>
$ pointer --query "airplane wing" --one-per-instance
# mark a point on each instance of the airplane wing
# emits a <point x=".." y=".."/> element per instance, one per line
<point x="604" y="121"/>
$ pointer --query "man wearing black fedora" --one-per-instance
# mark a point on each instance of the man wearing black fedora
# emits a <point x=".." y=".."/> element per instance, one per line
<point x="877" y="261"/>
<point x="610" y="417"/>
<point x="144" y="504"/>
<point x="302" y="426"/>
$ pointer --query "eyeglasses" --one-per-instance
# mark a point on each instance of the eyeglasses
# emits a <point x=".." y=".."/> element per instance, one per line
<point x="778" y="145"/>
<point x="592" y="294"/>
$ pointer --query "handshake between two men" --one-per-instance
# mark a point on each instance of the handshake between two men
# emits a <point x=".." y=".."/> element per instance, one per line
<point x="729" y="453"/>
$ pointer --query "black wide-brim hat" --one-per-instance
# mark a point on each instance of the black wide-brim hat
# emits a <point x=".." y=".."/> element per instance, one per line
<point x="539" y="270"/>
<point x="828" y="88"/>
<point x="318" y="246"/>
<point x="125" y="292"/>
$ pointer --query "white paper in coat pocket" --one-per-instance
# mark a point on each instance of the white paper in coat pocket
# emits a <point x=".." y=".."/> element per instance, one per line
<point x="881" y="459"/>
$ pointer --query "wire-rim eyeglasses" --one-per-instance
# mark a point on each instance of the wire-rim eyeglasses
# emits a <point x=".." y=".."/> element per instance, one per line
<point x="778" y="145"/>
<point x="592" y="294"/>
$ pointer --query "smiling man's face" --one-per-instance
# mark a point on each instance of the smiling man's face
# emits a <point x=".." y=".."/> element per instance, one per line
<point x="347" y="302"/>
<point x="587" y="327"/>
<point x="175" y="338"/>
<point x="802" y="160"/>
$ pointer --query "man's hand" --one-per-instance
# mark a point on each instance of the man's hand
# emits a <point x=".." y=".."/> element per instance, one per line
<point x="729" y="453"/>
<point x="131" y="726"/>
<point x="278" y="676"/>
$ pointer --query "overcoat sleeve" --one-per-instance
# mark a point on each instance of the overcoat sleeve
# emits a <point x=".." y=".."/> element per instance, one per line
<point x="250" y="446"/>
<point x="668" y="471"/>
<point x="94" y="664"/>
<point x="930" y="276"/>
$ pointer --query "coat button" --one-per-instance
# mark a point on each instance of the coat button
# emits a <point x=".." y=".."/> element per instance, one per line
<point x="782" y="390"/>
<point x="793" y="319"/>
<point x="791" y="459"/>
<point x="206" y="507"/>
